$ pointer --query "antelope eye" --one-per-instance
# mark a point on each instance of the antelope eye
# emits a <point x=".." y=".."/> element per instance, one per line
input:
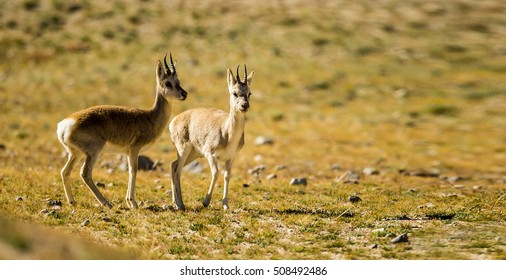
<point x="168" y="84"/>
<point x="235" y="94"/>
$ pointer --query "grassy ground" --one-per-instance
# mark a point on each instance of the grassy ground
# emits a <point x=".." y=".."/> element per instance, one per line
<point x="398" y="86"/>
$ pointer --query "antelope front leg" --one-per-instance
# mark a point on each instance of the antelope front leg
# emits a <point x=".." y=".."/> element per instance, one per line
<point x="214" y="173"/>
<point x="176" y="185"/>
<point x="228" y="168"/>
<point x="133" y="162"/>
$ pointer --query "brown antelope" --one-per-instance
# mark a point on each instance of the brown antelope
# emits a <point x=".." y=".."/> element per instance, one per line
<point x="128" y="130"/>
<point x="212" y="133"/>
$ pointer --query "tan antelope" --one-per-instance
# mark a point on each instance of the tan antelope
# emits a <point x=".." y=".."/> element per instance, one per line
<point x="128" y="130"/>
<point x="212" y="133"/>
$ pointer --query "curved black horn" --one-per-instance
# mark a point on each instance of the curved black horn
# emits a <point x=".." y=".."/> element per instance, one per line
<point x="237" y="74"/>
<point x="172" y="64"/>
<point x="245" y="74"/>
<point x="167" y="69"/>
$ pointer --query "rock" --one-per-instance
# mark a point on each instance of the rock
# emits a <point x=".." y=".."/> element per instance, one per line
<point x="298" y="181"/>
<point x="454" y="179"/>
<point x="54" y="202"/>
<point x="100" y="185"/>
<point x="420" y="173"/>
<point x="159" y="187"/>
<point x="401" y="238"/>
<point x="110" y="185"/>
<point x="354" y="199"/>
<point x="335" y="167"/>
<point x="56" y="207"/>
<point x="369" y="171"/>
<point x="280" y="167"/>
<point x="348" y="177"/>
<point x="145" y="163"/>
<point x="271" y="176"/>
<point x="373" y="246"/>
<point x="245" y="185"/>
<point x="194" y="167"/>
<point x="85" y="223"/>
<point x="258" y="158"/>
<point x="256" y="170"/>
<point x="477" y="187"/>
<point x="19" y="198"/>
<point x="263" y="140"/>
<point x="426" y="205"/>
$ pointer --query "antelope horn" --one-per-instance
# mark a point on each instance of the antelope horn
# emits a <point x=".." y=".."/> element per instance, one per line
<point x="172" y="64"/>
<point x="237" y="74"/>
<point x="245" y="74"/>
<point x="167" y="69"/>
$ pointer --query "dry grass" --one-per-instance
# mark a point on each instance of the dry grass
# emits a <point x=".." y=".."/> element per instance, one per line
<point x="394" y="85"/>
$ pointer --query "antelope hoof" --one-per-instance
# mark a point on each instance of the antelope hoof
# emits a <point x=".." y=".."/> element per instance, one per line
<point x="225" y="207"/>
<point x="207" y="201"/>
<point x="180" y="207"/>
<point x="107" y="204"/>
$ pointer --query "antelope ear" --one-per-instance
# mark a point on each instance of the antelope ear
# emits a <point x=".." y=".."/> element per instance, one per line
<point x="250" y="77"/>
<point x="230" y="78"/>
<point x="160" y="73"/>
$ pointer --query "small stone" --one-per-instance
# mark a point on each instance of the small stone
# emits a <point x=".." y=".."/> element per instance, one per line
<point x="426" y="205"/>
<point x="258" y="158"/>
<point x="245" y="185"/>
<point x="335" y="167"/>
<point x="159" y="187"/>
<point x="19" y="198"/>
<point x="271" y="176"/>
<point x="54" y="202"/>
<point x="477" y="188"/>
<point x="401" y="238"/>
<point x="263" y="140"/>
<point x="145" y="163"/>
<point x="256" y="170"/>
<point x="85" y="223"/>
<point x="298" y="181"/>
<point x="100" y="185"/>
<point x="348" y="177"/>
<point x="454" y="179"/>
<point x="56" y="207"/>
<point x="354" y="199"/>
<point x="369" y="171"/>
<point x="110" y="185"/>
<point x="106" y="219"/>
<point x="194" y="167"/>
<point x="280" y="167"/>
<point x="373" y="246"/>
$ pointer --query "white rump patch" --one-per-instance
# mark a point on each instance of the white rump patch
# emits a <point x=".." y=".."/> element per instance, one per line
<point x="64" y="129"/>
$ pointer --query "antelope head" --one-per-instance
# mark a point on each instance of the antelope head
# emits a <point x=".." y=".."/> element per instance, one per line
<point x="239" y="90"/>
<point x="167" y="82"/>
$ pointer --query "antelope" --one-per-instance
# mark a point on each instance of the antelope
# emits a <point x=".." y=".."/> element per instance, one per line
<point x="211" y="133"/>
<point x="127" y="130"/>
